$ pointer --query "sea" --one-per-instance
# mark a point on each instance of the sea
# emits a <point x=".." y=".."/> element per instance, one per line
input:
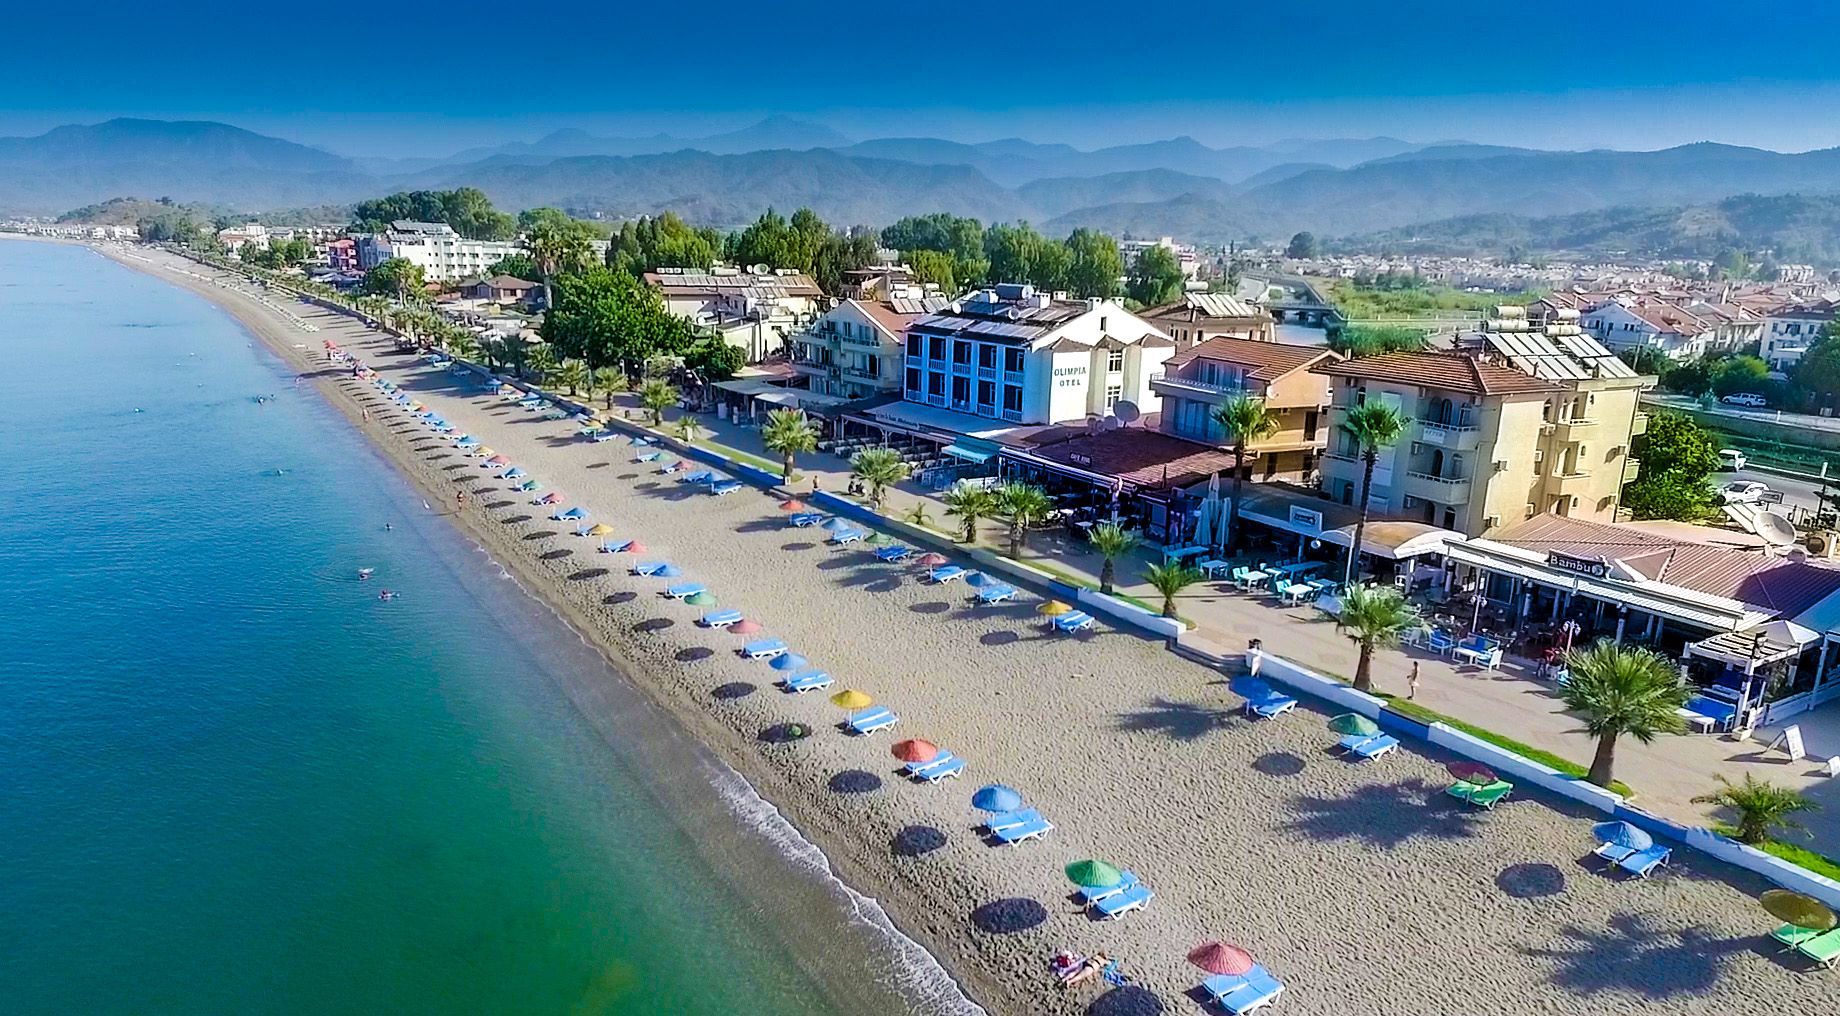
<point x="234" y="779"/>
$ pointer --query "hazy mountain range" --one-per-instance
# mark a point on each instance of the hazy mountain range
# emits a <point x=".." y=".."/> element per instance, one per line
<point x="1177" y="187"/>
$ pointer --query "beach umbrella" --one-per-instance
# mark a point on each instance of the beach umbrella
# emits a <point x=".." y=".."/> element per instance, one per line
<point x="1093" y="874"/>
<point x="746" y="626"/>
<point x="500" y="460"/>
<point x="1623" y="835"/>
<point x="572" y="514"/>
<point x="635" y="547"/>
<point x="1249" y="687"/>
<point x="916" y="750"/>
<point x="1053" y="608"/>
<point x="835" y="524"/>
<point x="1354" y="724"/>
<point x="788" y="662"/>
<point x="792" y="505"/>
<point x="600" y="529"/>
<point x="850" y="698"/>
<point x="669" y="571"/>
<point x="878" y="538"/>
<point x="1221" y="958"/>
<point x="997" y="798"/>
<point x="1472" y="772"/>
<point x="550" y="498"/>
<point x="931" y="560"/>
<point x="978" y="580"/>
<point x="700" y="600"/>
<point x="1798" y="909"/>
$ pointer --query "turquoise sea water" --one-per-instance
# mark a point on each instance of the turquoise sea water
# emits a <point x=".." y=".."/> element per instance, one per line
<point x="234" y="780"/>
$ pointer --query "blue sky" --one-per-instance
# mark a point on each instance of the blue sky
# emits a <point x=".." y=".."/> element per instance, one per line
<point x="1632" y="74"/>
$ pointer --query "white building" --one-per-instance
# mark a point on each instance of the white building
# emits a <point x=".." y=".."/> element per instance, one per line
<point x="1674" y="331"/>
<point x="756" y="312"/>
<point x="854" y="350"/>
<point x="1789" y="331"/>
<point x="444" y="255"/>
<point x="249" y="234"/>
<point x="1019" y="356"/>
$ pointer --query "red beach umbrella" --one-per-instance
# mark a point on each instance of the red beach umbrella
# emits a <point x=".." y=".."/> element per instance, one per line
<point x="1221" y="958"/>
<point x="746" y="627"/>
<point x="792" y="505"/>
<point x="634" y="547"/>
<point x="916" y="750"/>
<point x="1472" y="772"/>
<point x="931" y="560"/>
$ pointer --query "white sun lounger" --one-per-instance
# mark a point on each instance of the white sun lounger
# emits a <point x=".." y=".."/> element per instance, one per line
<point x="1010" y="819"/>
<point x="1088" y="895"/>
<point x="872" y="719"/>
<point x="995" y="594"/>
<point x="649" y="567"/>
<point x="1134" y="898"/>
<point x="811" y="680"/>
<point x="684" y="590"/>
<point x="724" y="487"/>
<point x="1031" y="830"/>
<point x="946" y="573"/>
<point x="764" y="649"/>
<point x="1072" y="621"/>
<point x="951" y="768"/>
<point x="719" y="618"/>
<point x="848" y="536"/>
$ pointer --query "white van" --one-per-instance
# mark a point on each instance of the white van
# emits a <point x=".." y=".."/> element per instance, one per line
<point x="1731" y="459"/>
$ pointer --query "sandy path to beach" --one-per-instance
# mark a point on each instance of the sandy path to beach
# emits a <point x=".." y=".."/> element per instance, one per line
<point x="1362" y="887"/>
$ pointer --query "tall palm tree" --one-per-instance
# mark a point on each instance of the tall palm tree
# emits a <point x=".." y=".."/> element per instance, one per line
<point x="556" y="248"/>
<point x="1760" y="806"/>
<point x="879" y="467"/>
<point x="788" y="433"/>
<point x="573" y="374"/>
<point x="657" y="395"/>
<point x="464" y="346"/>
<point x="1374" y="617"/>
<point x="972" y="504"/>
<point x="1373" y="426"/>
<point x="1623" y="690"/>
<point x="1024" y="504"/>
<point x="1169" y="579"/>
<point x="1245" y="420"/>
<point x="542" y="359"/>
<point x="1112" y="541"/>
<point x="609" y="380"/>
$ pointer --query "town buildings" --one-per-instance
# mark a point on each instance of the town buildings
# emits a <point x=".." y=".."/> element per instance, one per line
<point x="1198" y="317"/>
<point x="250" y="234"/>
<point x="1790" y="329"/>
<point x="854" y="350"/>
<point x="756" y="312"/>
<point x="1196" y="382"/>
<point x="443" y="254"/>
<point x="1674" y="331"/>
<point x="342" y="255"/>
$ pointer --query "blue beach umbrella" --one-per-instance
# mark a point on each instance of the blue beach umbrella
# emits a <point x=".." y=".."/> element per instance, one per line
<point x="1249" y="687"/>
<point x="836" y="524"/>
<point x="669" y="571"/>
<point x="789" y="662"/>
<point x="514" y="473"/>
<point x="978" y="580"/>
<point x="1622" y="834"/>
<point x="997" y="798"/>
<point x="572" y="514"/>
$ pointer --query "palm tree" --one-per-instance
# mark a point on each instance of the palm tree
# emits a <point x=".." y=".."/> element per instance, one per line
<point x="609" y="380"/>
<point x="657" y="395"/>
<point x="574" y="374"/>
<point x="1245" y="420"/>
<point x="1112" y="541"/>
<point x="971" y="504"/>
<point x="917" y="516"/>
<point x="1374" y="617"/>
<point x="555" y="248"/>
<point x="788" y="433"/>
<point x="1169" y="579"/>
<point x="464" y="346"/>
<point x="1622" y="690"/>
<point x="1760" y="806"/>
<point x="878" y="467"/>
<point x="1024" y="504"/>
<point x="542" y="360"/>
<point x="1373" y="426"/>
<point x="688" y="428"/>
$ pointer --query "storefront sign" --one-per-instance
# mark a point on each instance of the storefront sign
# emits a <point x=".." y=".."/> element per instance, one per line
<point x="1307" y="519"/>
<point x="1079" y="460"/>
<point x="1596" y="567"/>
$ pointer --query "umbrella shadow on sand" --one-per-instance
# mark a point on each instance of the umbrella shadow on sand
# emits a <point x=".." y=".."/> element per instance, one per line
<point x="1009" y="916"/>
<point x="916" y="840"/>
<point x="1633" y="956"/>
<point x="1178" y="721"/>
<point x="1127" y="1000"/>
<point x="1387" y="815"/>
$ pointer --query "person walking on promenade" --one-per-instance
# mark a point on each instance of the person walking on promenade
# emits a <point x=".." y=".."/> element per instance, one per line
<point x="1412" y="682"/>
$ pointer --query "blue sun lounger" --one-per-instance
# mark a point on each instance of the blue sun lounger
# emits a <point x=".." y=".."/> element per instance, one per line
<point x="800" y="520"/>
<point x="1072" y="621"/>
<point x="1245" y="992"/>
<point x="1088" y="895"/>
<point x="872" y="719"/>
<point x="951" y="768"/>
<point x="1643" y="863"/>
<point x="1367" y="747"/>
<point x="916" y="768"/>
<point x="995" y="594"/>
<point x="1267" y="706"/>
<point x="721" y="487"/>
<point x="1010" y="819"/>
<point x="1115" y="906"/>
<point x="615" y="546"/>
<point x="763" y="649"/>
<point x="893" y="552"/>
<point x="945" y="573"/>
<point x="1031" y="830"/>
<point x="671" y="467"/>
<point x="601" y="436"/>
<point x="700" y="476"/>
<point x="684" y="590"/>
<point x="844" y="536"/>
<point x="811" y="680"/>
<point x="719" y="618"/>
<point x="648" y="457"/>
<point x="650" y="567"/>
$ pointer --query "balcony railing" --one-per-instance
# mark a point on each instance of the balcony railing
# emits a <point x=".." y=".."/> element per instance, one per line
<point x="915" y="360"/>
<point x="1013" y="415"/>
<point x="1461" y="436"/>
<point x="866" y="341"/>
<point x="987" y="373"/>
<point x="1014" y="376"/>
<point x="1443" y="489"/>
<point x="1204" y="387"/>
<point x="861" y="373"/>
<point x="1341" y="456"/>
<point x="962" y="368"/>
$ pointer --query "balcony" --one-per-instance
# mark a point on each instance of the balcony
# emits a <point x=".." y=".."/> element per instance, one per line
<point x="1460" y="437"/>
<point x="863" y="341"/>
<point x="861" y="374"/>
<point x="1013" y="415"/>
<point x="1577" y="481"/>
<point x="987" y="373"/>
<point x="1638" y="425"/>
<point x="1575" y="429"/>
<point x="1013" y="377"/>
<point x="915" y="360"/>
<point x="1451" y="490"/>
<point x="1182" y="385"/>
<point x="962" y="369"/>
<point x="1630" y="468"/>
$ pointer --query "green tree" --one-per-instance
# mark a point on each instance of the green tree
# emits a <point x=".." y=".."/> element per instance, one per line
<point x="1372" y="340"/>
<point x="1818" y="371"/>
<point x="935" y="267"/>
<point x="560" y="247"/>
<point x="520" y="266"/>
<point x="466" y="209"/>
<point x="609" y="380"/>
<point x="1156" y="278"/>
<point x="605" y="318"/>
<point x="1674" y="495"/>
<point x="1096" y="265"/>
<point x="1674" y="442"/>
<point x="657" y="396"/>
<point x="647" y="244"/>
<point x="713" y="359"/>
<point x="1374" y="617"/>
<point x="788" y="433"/>
<point x="1244" y="420"/>
<point x="1302" y="245"/>
<point x="879" y="468"/>
<point x="541" y="359"/>
<point x="1169" y="579"/>
<point x="1373" y="426"/>
<point x="1761" y="807"/>
<point x="1648" y="360"/>
<point x="397" y="277"/>
<point x="841" y="252"/>
<point x="972" y="504"/>
<point x="689" y="428"/>
<point x="1024" y="505"/>
<point x="1740" y="374"/>
<point x="1112" y="541"/>
<point x="1623" y="690"/>
<point x="1013" y="251"/>
<point x="575" y="375"/>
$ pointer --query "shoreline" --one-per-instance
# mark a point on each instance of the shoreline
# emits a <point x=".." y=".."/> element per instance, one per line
<point x="738" y="788"/>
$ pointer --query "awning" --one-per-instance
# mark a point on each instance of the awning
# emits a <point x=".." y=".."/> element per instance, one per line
<point x="1704" y="612"/>
<point x="968" y="454"/>
<point x="1759" y="647"/>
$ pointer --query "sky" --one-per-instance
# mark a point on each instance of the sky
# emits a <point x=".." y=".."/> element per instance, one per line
<point x="1629" y="74"/>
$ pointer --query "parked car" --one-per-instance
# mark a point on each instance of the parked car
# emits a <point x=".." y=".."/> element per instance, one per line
<point x="1743" y="492"/>
<point x="1748" y="399"/>
<point x="1731" y="459"/>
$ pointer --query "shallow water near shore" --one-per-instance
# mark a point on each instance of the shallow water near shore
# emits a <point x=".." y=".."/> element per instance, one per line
<point x="235" y="780"/>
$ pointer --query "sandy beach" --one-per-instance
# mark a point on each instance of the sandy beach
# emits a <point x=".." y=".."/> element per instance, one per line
<point x="1363" y="887"/>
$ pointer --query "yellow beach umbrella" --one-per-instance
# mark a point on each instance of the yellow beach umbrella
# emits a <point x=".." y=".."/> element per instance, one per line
<point x="850" y="698"/>
<point x="600" y="529"/>
<point x="1052" y="608"/>
<point x="484" y="452"/>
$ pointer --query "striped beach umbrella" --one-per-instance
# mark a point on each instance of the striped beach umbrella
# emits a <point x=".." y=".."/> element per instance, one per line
<point x="915" y="750"/>
<point x="850" y="698"/>
<point x="1221" y="958"/>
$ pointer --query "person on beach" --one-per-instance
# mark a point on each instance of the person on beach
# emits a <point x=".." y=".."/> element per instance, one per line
<point x="1088" y="970"/>
<point x="1412" y="682"/>
<point x="459" y="500"/>
<point x="1254" y="657"/>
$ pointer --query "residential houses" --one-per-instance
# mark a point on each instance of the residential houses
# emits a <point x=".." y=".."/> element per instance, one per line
<point x="1196" y="382"/>
<point x="756" y="312"/>
<point x="1790" y="329"/>
<point x="501" y="289"/>
<point x="1198" y="317"/>
<point x="1676" y="332"/>
<point x="853" y="351"/>
<point x="443" y="254"/>
<point x="250" y="234"/>
<point x="342" y="255"/>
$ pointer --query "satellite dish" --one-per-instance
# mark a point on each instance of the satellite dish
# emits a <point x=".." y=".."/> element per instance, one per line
<point x="1094" y="425"/>
<point x="1127" y="412"/>
<point x="761" y="269"/>
<point x="1112" y="423"/>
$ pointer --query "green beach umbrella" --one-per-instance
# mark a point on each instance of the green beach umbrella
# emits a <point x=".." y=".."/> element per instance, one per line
<point x="1355" y="724"/>
<point x="700" y="600"/>
<point x="1093" y="874"/>
<point x="1798" y="909"/>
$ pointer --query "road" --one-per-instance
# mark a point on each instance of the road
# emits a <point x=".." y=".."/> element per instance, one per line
<point x="1803" y="421"/>
<point x="1796" y="493"/>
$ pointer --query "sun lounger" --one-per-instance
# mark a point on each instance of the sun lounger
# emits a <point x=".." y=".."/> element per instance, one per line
<point x="1072" y="621"/>
<point x="719" y="618"/>
<point x="685" y="590"/>
<point x="802" y="519"/>
<point x="1088" y="895"/>
<point x="1119" y="904"/>
<point x="1824" y="949"/>
<point x="763" y="649"/>
<point x="894" y="552"/>
<point x="1371" y="748"/>
<point x="700" y="476"/>
<point x="650" y="567"/>
<point x="1010" y="819"/>
<point x="1267" y="706"/>
<point x="995" y="594"/>
<point x="1792" y="935"/>
<point x="1643" y="863"/>
<point x="615" y="546"/>
<point x="1030" y="830"/>
<point x="1252" y="990"/>
<point x="916" y="768"/>
<point x="872" y="719"/>
<point x="600" y="436"/>
<point x="671" y="467"/>
<point x="724" y="487"/>
<point x="648" y="456"/>
<point x="945" y="573"/>
<point x="942" y="766"/>
<point x="1481" y="797"/>
<point x="848" y="536"/>
<point x="1614" y="852"/>
<point x="811" y="680"/>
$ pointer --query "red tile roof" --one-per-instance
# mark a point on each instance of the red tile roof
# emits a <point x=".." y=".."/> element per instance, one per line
<point x="1136" y="455"/>
<point x="1264" y="361"/>
<point x="889" y="318"/>
<point x="1445" y="371"/>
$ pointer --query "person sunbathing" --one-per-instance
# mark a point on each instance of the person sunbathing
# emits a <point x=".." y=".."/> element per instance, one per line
<point x="1088" y="970"/>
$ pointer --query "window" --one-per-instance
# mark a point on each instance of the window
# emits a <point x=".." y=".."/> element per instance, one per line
<point x="872" y="366"/>
<point x="1112" y="394"/>
<point x="961" y="352"/>
<point x="987" y="393"/>
<point x="913" y="380"/>
<point x="937" y="348"/>
<point x="913" y="345"/>
<point x="1012" y="398"/>
<point x="1012" y="360"/>
<point x="987" y="355"/>
<point x="1529" y="510"/>
<point x="961" y="390"/>
<point x="1309" y="425"/>
<point x="1114" y="361"/>
<point x="935" y="383"/>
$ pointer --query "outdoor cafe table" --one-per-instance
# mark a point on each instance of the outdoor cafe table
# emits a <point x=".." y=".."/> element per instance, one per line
<point x="1298" y="568"/>
<point x="1254" y="579"/>
<point x="1213" y="566"/>
<point x="1183" y="553"/>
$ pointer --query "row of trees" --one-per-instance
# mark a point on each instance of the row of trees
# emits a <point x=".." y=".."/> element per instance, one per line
<point x="466" y="209"/>
<point x="958" y="253"/>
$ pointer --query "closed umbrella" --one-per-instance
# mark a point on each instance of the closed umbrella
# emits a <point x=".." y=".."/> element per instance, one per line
<point x="1355" y="724"/>
<point x="850" y="698"/>
<point x="1622" y="834"/>
<point x="1053" y="608"/>
<point x="1093" y="874"/>
<point x="997" y="798"/>
<point x="498" y="460"/>
<point x="635" y="547"/>
<point x="788" y="662"/>
<point x="978" y="580"/>
<point x="600" y="529"/>
<point x="669" y="571"/>
<point x="1221" y="958"/>
<point x="1799" y="909"/>
<point x="746" y="626"/>
<point x="916" y="750"/>
<point x="931" y="560"/>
